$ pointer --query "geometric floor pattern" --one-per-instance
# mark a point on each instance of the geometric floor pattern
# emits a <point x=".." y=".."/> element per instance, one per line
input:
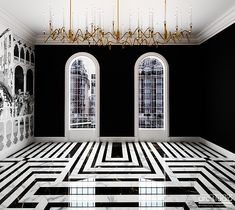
<point x="119" y="175"/>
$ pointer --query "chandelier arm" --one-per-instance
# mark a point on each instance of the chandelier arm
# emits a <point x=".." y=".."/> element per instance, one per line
<point x="136" y="41"/>
<point x="97" y="36"/>
<point x="136" y="30"/>
<point x="143" y="34"/>
<point x="111" y="34"/>
<point x="147" y="30"/>
<point x="54" y="34"/>
<point x="123" y="36"/>
<point x="77" y="35"/>
<point x="155" y="42"/>
<point x="129" y="41"/>
<point x="159" y="34"/>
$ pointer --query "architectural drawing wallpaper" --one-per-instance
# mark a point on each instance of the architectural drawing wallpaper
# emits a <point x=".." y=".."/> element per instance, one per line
<point x="16" y="90"/>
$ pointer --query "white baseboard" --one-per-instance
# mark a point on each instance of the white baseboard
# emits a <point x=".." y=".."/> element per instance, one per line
<point x="182" y="138"/>
<point x="116" y="139"/>
<point x="49" y="139"/>
<point x="218" y="148"/>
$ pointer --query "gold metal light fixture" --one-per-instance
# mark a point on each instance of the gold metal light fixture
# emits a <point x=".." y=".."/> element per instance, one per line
<point x="96" y="35"/>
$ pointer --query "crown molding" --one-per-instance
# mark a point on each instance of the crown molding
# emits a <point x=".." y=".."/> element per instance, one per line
<point x="17" y="27"/>
<point x="25" y="33"/>
<point x="217" y="26"/>
<point x="211" y="30"/>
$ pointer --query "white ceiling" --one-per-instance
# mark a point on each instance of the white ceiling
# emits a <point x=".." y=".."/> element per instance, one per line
<point x="34" y="14"/>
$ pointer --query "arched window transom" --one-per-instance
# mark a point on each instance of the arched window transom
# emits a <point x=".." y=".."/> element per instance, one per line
<point x="19" y="80"/>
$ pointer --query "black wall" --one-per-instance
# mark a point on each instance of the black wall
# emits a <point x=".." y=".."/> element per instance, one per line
<point x="117" y="88"/>
<point x="218" y="93"/>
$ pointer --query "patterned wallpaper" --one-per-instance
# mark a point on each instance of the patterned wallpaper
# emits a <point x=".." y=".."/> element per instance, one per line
<point x="16" y="90"/>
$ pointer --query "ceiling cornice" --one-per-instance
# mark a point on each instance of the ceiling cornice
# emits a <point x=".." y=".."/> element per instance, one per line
<point x="29" y="36"/>
<point x="211" y="30"/>
<point x="217" y="26"/>
<point x="17" y="27"/>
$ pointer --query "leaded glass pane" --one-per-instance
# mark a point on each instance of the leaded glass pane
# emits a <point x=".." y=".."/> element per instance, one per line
<point x="151" y="97"/>
<point x="82" y="93"/>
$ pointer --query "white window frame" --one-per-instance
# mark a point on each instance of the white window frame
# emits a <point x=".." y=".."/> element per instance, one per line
<point x="152" y="134"/>
<point x="81" y="134"/>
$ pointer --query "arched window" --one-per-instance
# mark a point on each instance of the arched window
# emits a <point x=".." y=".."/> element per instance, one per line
<point x="151" y="100"/>
<point x="16" y="51"/>
<point x="82" y="92"/>
<point x="19" y="80"/>
<point x="32" y="58"/>
<point x="29" y="83"/>
<point x="22" y="53"/>
<point x="27" y="56"/>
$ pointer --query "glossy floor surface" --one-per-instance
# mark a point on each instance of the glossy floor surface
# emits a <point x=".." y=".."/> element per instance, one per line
<point x="140" y="175"/>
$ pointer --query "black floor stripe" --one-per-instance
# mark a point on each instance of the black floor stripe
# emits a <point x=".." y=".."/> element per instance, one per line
<point x="122" y="161"/>
<point x="34" y="145"/>
<point x="35" y="150"/>
<point x="209" y="180"/>
<point x="9" y="167"/>
<point x="42" y="149"/>
<point x="184" y="150"/>
<point x="213" y="155"/>
<point x="213" y="150"/>
<point x="64" y="150"/>
<point x="96" y="155"/>
<point x="30" y="146"/>
<point x="220" y="178"/>
<point x="208" y="205"/>
<point x="116" y="150"/>
<point x="58" y="149"/>
<point x="86" y="159"/>
<point x="195" y="153"/>
<point x="167" y="178"/>
<point x="117" y="191"/>
<point x="160" y="151"/>
<point x="66" y="178"/>
<point x="73" y="151"/>
<point x="105" y="152"/>
<point x="172" y="145"/>
<point x="48" y="150"/>
<point x="202" y="185"/>
<point x="116" y="180"/>
<point x="225" y="168"/>
<point x="16" y="204"/>
<point x="199" y="150"/>
<point x="164" y="145"/>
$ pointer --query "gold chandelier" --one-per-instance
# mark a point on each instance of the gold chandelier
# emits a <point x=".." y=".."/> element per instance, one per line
<point x="96" y="35"/>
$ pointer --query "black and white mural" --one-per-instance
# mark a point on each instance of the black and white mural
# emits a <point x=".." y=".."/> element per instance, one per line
<point x="16" y="90"/>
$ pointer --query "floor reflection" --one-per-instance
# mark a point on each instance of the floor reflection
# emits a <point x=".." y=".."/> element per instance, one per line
<point x="82" y="194"/>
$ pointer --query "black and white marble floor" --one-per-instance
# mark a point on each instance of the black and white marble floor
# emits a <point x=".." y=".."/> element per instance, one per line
<point x="140" y="175"/>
